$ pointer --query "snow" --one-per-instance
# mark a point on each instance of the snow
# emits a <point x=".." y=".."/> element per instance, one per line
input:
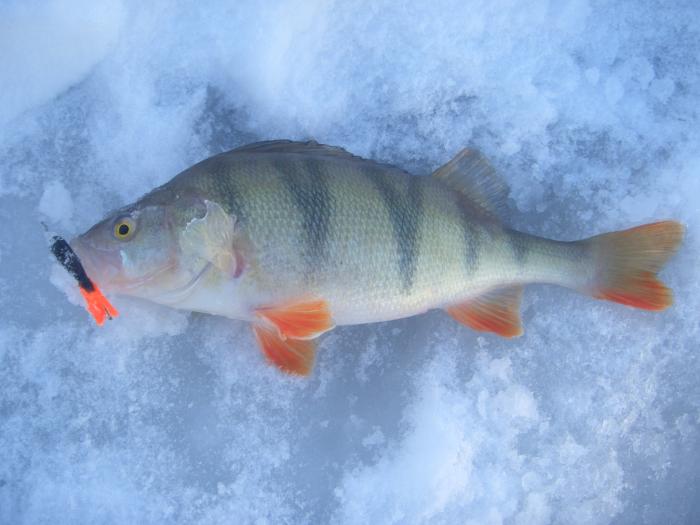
<point x="56" y="203"/>
<point x="49" y="46"/>
<point x="588" y="108"/>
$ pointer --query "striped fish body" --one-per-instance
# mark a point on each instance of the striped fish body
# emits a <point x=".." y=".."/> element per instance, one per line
<point x="299" y="237"/>
<point x="373" y="241"/>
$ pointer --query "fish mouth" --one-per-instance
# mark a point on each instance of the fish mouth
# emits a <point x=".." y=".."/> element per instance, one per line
<point x="105" y="268"/>
<point x="101" y="266"/>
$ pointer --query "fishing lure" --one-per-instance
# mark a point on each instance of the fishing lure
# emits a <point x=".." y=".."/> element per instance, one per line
<point x="97" y="304"/>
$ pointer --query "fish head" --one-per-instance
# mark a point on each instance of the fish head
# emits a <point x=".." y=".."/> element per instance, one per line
<point x="136" y="250"/>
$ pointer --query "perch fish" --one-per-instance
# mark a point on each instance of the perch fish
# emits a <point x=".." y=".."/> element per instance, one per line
<point x="297" y="238"/>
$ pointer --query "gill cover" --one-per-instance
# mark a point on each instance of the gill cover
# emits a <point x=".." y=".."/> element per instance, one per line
<point x="213" y="238"/>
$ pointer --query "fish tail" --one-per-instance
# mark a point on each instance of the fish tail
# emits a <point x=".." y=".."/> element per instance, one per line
<point x="626" y="263"/>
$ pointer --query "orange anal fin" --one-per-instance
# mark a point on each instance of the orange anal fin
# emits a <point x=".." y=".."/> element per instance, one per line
<point x="301" y="320"/>
<point x="98" y="305"/>
<point x="497" y="311"/>
<point x="294" y="356"/>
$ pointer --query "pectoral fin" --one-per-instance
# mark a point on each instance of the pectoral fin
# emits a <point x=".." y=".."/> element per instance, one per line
<point x="294" y="356"/>
<point x="496" y="311"/>
<point x="299" y="320"/>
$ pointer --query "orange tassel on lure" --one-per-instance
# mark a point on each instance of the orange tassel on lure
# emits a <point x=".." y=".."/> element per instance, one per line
<point x="96" y="303"/>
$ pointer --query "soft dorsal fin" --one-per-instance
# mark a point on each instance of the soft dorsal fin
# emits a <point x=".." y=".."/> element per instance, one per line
<point x="289" y="146"/>
<point x="496" y="311"/>
<point x="473" y="176"/>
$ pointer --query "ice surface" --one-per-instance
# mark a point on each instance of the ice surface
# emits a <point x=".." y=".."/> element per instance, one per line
<point x="588" y="108"/>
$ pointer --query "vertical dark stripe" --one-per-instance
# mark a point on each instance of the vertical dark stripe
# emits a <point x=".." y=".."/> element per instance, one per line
<point x="519" y="246"/>
<point x="405" y="209"/>
<point x="416" y="213"/>
<point x="225" y="184"/>
<point x="307" y="183"/>
<point x="470" y="236"/>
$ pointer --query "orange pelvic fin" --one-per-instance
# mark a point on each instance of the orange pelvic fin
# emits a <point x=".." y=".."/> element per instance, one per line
<point x="98" y="305"/>
<point x="294" y="356"/>
<point x="299" y="320"/>
<point x="627" y="262"/>
<point x="496" y="311"/>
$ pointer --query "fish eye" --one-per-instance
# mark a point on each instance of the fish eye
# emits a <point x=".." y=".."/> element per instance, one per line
<point x="124" y="228"/>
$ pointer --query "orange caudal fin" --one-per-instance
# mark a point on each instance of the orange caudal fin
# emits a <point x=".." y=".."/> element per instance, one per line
<point x="496" y="311"/>
<point x="627" y="262"/>
<point x="298" y="320"/>
<point x="294" y="356"/>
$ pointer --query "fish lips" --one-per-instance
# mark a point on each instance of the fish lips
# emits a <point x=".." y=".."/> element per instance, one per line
<point x="103" y="267"/>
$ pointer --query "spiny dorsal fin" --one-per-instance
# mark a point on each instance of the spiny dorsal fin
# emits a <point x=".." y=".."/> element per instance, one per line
<point x="310" y="149"/>
<point x="496" y="311"/>
<point x="289" y="146"/>
<point x="473" y="176"/>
